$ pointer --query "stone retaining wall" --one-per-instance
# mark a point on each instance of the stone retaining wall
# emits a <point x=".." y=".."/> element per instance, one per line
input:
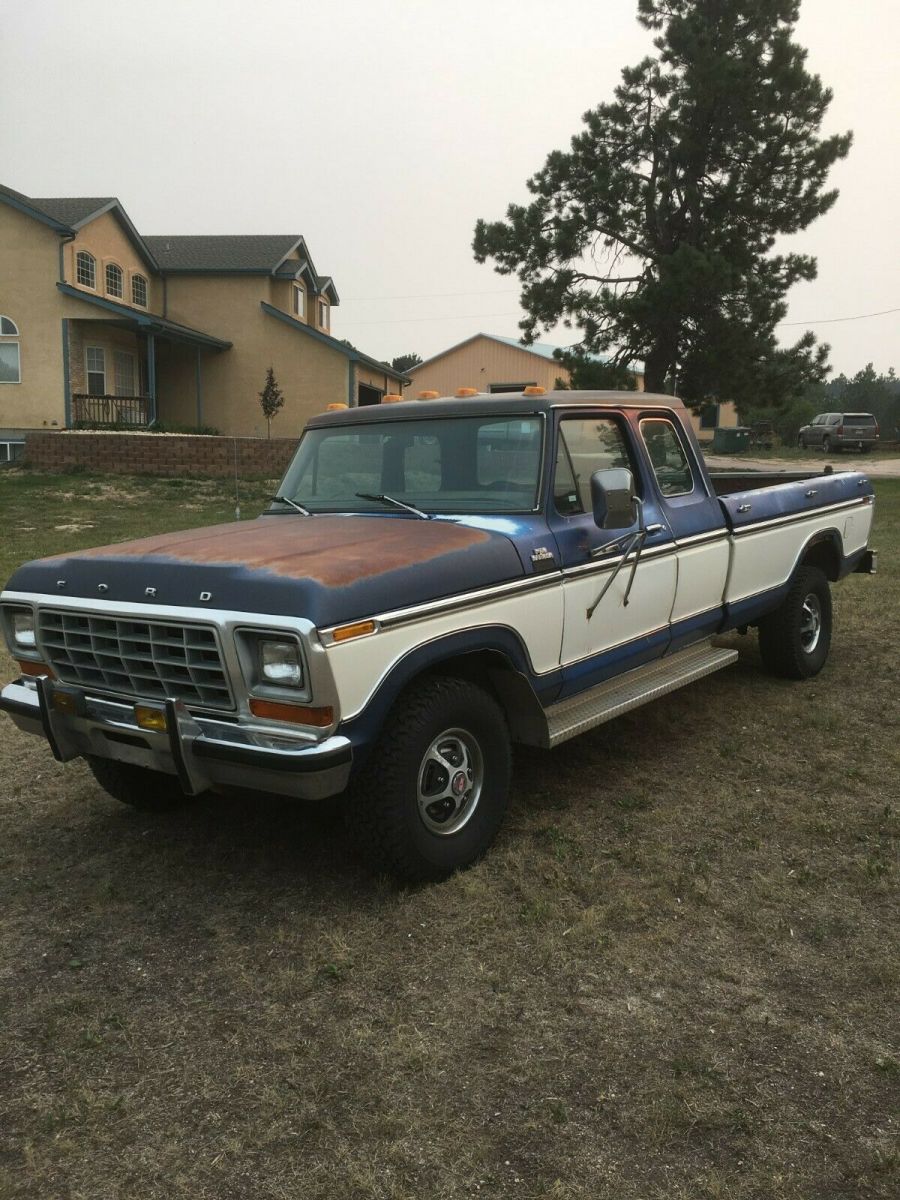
<point x="172" y="454"/>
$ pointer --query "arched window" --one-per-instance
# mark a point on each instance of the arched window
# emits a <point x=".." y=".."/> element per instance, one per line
<point x="10" y="354"/>
<point x="139" y="290"/>
<point x="85" y="269"/>
<point x="114" y="280"/>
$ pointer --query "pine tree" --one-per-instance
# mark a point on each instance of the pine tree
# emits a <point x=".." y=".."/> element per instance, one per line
<point x="271" y="400"/>
<point x="654" y="233"/>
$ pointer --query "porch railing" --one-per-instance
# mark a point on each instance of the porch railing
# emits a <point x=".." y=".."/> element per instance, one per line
<point x="114" y="411"/>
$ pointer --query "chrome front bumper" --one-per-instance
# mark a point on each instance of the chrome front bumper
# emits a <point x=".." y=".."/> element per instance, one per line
<point x="204" y="753"/>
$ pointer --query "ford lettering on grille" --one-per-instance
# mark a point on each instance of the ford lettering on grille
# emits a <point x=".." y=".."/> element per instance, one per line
<point x="152" y="659"/>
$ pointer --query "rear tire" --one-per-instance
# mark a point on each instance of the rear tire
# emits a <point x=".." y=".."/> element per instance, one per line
<point x="138" y="787"/>
<point x="795" y="639"/>
<point x="826" y="445"/>
<point x="432" y="796"/>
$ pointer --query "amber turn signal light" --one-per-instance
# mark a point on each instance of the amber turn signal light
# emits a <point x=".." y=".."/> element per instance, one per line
<point x="27" y="667"/>
<point x="298" y="714"/>
<point x="345" y="632"/>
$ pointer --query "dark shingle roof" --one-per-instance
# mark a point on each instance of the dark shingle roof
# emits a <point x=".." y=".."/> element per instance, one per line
<point x="213" y="252"/>
<point x="71" y="210"/>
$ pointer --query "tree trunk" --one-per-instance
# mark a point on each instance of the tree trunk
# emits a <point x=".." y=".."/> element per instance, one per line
<point x="658" y="365"/>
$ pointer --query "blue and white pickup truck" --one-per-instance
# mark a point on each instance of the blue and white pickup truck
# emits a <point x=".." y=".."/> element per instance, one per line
<point x="434" y="582"/>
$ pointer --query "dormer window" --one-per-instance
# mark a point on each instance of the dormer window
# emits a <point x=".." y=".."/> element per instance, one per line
<point x="85" y="269"/>
<point x="299" y="302"/>
<point x="114" y="280"/>
<point x="323" y="315"/>
<point x="139" y="291"/>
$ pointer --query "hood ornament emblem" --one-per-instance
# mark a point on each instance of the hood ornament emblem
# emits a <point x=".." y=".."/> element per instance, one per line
<point x="149" y="591"/>
<point x="102" y="587"/>
<point x="204" y="596"/>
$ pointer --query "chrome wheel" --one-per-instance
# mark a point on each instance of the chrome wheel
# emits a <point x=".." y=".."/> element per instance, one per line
<point x="450" y="780"/>
<point x="810" y="623"/>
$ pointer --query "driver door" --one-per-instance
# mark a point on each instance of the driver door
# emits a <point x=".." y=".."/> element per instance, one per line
<point x="617" y="636"/>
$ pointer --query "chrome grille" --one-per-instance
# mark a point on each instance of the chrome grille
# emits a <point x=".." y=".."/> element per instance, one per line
<point x="151" y="659"/>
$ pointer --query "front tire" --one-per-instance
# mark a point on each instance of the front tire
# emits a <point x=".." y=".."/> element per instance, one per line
<point x="432" y="796"/>
<point x="138" y="787"/>
<point x="795" y="639"/>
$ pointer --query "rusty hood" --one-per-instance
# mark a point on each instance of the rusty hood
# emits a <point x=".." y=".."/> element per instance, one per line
<point x="325" y="568"/>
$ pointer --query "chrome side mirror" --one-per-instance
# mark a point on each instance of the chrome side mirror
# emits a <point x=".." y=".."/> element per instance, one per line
<point x="612" y="498"/>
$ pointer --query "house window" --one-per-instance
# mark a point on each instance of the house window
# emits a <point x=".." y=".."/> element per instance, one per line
<point x="139" y="290"/>
<point x="95" y="361"/>
<point x="299" y="302"/>
<point x="709" y="416"/>
<point x="123" y="367"/>
<point x="114" y="280"/>
<point x="10" y="355"/>
<point x="323" y="315"/>
<point x="85" y="269"/>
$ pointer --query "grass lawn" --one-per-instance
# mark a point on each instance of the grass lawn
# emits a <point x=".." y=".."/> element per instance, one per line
<point x="675" y="976"/>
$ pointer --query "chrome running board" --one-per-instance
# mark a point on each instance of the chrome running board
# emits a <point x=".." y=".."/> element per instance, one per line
<point x="615" y="696"/>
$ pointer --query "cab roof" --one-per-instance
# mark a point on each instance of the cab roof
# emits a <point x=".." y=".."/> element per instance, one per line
<point x="487" y="403"/>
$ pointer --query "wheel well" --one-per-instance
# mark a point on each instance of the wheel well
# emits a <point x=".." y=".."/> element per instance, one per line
<point x="824" y="554"/>
<point x="493" y="671"/>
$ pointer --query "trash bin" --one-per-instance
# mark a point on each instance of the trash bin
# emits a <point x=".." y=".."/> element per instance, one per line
<point x="731" y="440"/>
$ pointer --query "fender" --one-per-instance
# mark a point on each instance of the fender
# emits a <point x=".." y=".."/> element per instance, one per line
<point x="492" y="649"/>
<point x="824" y="549"/>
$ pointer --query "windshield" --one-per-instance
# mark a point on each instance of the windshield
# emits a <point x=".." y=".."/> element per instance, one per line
<point x="453" y="464"/>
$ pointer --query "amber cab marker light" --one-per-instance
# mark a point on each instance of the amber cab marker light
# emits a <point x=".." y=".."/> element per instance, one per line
<point x="298" y="714"/>
<point x="27" y="667"/>
<point x="345" y="632"/>
<point x="533" y="389"/>
<point x="336" y="406"/>
<point x="391" y="398"/>
<point x="462" y="393"/>
<point x="429" y="395"/>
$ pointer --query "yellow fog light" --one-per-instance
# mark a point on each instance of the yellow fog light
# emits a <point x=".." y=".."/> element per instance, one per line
<point x="153" y="719"/>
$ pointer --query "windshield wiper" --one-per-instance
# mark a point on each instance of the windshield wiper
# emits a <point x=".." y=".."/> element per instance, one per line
<point x="299" y="507"/>
<point x="396" y="503"/>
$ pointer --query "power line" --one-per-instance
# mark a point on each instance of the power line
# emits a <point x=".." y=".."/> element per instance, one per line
<point x="416" y="320"/>
<point x="835" y="320"/>
<point x="430" y="295"/>
<point x="479" y="316"/>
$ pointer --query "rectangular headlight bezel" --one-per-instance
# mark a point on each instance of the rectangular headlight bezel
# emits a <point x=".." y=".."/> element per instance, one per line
<point x="250" y="642"/>
<point x="10" y="617"/>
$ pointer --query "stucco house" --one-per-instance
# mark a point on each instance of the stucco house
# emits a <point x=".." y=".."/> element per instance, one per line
<point x="102" y="324"/>
<point x="492" y="363"/>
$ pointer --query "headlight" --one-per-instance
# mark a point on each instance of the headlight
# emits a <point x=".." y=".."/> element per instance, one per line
<point x="280" y="663"/>
<point x="23" y="629"/>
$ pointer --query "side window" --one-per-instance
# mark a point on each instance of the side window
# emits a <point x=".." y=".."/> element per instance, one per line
<point x="667" y="457"/>
<point x="835" y="419"/>
<point x="10" y="354"/>
<point x="585" y="445"/>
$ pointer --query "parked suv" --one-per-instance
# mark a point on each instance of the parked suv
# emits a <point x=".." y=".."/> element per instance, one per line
<point x="838" y="431"/>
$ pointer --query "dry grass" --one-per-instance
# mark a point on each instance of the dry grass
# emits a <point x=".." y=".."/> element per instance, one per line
<point x="675" y="976"/>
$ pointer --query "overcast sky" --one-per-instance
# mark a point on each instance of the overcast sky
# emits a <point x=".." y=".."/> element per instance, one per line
<point x="381" y="129"/>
